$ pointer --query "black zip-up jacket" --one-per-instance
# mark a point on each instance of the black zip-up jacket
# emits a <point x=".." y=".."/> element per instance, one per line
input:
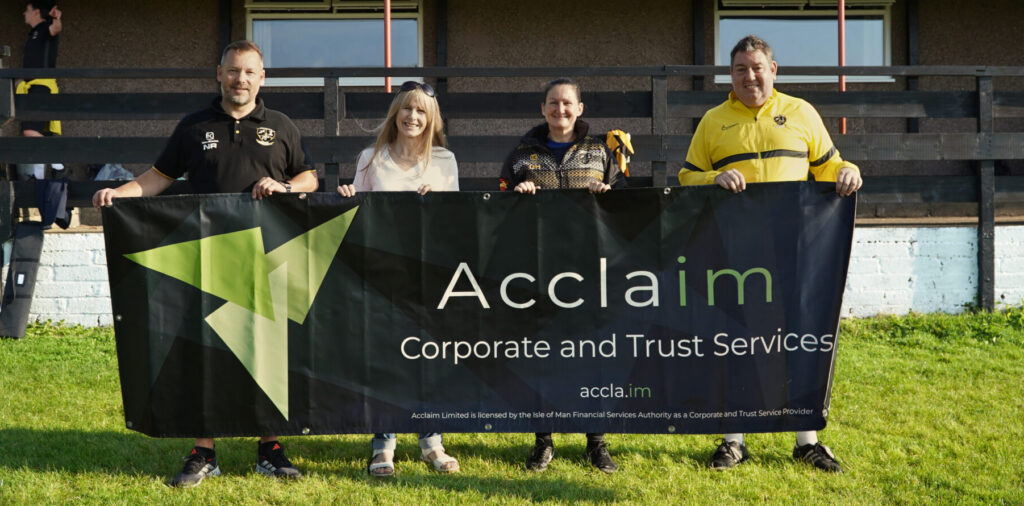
<point x="588" y="159"/>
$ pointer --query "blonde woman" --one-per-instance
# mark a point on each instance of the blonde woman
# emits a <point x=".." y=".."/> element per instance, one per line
<point x="409" y="155"/>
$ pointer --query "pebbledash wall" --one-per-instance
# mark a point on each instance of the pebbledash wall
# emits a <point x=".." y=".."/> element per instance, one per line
<point x="893" y="270"/>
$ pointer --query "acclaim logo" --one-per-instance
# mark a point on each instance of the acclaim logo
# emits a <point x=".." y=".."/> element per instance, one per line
<point x="645" y="291"/>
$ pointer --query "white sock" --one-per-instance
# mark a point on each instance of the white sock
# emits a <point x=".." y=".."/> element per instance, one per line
<point x="733" y="437"/>
<point x="57" y="166"/>
<point x="807" y="437"/>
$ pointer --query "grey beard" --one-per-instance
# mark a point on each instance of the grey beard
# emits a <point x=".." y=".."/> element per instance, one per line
<point x="236" y="99"/>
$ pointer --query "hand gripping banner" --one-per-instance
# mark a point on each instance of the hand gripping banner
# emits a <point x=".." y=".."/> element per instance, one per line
<point x="688" y="310"/>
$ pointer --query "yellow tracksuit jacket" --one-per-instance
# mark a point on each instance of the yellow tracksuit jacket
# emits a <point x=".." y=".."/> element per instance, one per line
<point x="783" y="141"/>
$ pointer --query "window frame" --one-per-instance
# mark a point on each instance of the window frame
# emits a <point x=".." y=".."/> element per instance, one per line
<point x="254" y="14"/>
<point x="305" y="5"/>
<point x="884" y="11"/>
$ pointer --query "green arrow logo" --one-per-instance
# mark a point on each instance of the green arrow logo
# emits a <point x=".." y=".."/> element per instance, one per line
<point x="263" y="290"/>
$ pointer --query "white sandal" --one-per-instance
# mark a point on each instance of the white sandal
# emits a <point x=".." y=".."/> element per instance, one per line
<point x="387" y="465"/>
<point x="440" y="460"/>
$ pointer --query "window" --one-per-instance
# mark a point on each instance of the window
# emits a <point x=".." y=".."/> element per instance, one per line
<point x="804" y="33"/>
<point x="333" y="34"/>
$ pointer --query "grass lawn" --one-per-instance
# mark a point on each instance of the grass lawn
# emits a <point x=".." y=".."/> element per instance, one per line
<point x="926" y="409"/>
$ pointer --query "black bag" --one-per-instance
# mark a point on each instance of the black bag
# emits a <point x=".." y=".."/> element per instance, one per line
<point x="21" y="278"/>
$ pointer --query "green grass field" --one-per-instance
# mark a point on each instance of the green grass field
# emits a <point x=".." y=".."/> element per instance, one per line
<point x="926" y="409"/>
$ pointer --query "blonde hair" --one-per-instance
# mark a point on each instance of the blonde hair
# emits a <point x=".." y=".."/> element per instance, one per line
<point x="433" y="131"/>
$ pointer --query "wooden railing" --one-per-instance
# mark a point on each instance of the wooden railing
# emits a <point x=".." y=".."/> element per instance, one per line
<point x="975" y="190"/>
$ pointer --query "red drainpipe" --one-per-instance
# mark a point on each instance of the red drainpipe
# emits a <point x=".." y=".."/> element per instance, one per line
<point x="387" y="42"/>
<point x="842" y="56"/>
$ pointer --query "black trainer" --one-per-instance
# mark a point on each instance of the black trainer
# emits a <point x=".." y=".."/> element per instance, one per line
<point x="541" y="456"/>
<point x="728" y="455"/>
<point x="271" y="461"/>
<point x="199" y="464"/>
<point x="600" y="458"/>
<point x="819" y="456"/>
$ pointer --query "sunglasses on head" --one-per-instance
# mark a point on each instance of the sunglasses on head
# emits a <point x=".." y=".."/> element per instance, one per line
<point x="412" y="85"/>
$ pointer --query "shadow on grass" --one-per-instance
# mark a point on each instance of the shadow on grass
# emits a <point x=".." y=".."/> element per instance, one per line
<point x="528" y="487"/>
<point x="512" y="449"/>
<point x="80" y="451"/>
<point x="331" y="457"/>
<point x="510" y="478"/>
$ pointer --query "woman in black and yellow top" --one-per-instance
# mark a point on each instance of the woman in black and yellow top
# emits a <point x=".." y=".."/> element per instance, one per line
<point x="559" y="154"/>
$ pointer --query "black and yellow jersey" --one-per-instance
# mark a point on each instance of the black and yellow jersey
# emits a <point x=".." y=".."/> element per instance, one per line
<point x="782" y="141"/>
<point x="587" y="159"/>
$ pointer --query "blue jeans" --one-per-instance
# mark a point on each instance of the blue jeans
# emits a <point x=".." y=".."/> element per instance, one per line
<point x="388" y="441"/>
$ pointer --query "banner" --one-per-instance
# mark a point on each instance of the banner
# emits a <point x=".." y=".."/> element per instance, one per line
<point x="657" y="310"/>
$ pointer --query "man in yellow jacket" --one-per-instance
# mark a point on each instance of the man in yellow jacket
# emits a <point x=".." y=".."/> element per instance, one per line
<point x="760" y="135"/>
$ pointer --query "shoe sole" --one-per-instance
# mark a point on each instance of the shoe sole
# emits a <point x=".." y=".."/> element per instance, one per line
<point x="607" y="470"/>
<point x="214" y="472"/>
<point x="271" y="474"/>
<point x="540" y="468"/>
<point x="390" y="470"/>
<point x="819" y="468"/>
<point x="725" y="468"/>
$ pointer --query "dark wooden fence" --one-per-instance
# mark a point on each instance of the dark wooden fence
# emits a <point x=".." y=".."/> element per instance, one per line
<point x="914" y="192"/>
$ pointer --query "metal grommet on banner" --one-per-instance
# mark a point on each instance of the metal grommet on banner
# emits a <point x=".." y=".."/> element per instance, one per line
<point x="117" y="317"/>
<point x="305" y="431"/>
<point x="487" y="196"/>
<point x="671" y="429"/>
<point x="302" y="196"/>
<point x="824" y="413"/>
<point x="487" y="427"/>
<point x="128" y="424"/>
<point x="667" y="190"/>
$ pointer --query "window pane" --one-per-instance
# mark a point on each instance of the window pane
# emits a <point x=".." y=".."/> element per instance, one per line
<point x="335" y="42"/>
<point x="807" y="41"/>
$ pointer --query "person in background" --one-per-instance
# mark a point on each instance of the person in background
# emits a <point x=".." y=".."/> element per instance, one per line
<point x="45" y="21"/>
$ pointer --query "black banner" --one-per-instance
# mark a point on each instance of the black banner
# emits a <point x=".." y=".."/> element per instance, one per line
<point x="689" y="310"/>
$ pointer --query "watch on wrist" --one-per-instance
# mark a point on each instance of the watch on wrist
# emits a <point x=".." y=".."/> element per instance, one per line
<point x="287" y="186"/>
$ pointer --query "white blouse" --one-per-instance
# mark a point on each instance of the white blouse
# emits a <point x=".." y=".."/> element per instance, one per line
<point x="385" y="175"/>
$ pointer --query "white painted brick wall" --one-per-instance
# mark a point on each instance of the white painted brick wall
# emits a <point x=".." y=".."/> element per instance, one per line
<point x="1010" y="265"/>
<point x="893" y="270"/>
<point x="71" y="284"/>
<point x="896" y="270"/>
